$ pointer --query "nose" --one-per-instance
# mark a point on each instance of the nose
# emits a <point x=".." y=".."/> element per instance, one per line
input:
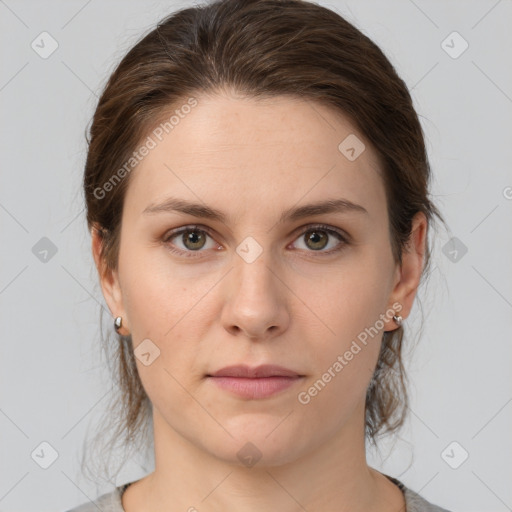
<point x="256" y="298"/>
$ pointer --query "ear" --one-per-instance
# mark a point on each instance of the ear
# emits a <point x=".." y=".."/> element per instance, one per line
<point x="109" y="280"/>
<point x="408" y="274"/>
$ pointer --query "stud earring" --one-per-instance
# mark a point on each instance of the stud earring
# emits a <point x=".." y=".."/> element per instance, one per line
<point x="398" y="320"/>
<point x="118" y="322"/>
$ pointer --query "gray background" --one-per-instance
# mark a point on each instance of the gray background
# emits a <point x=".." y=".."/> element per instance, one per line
<point x="52" y="389"/>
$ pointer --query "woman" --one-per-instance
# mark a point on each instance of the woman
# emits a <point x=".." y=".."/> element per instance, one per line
<point x="257" y="194"/>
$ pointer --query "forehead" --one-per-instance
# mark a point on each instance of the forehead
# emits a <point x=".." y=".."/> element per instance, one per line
<point x="249" y="153"/>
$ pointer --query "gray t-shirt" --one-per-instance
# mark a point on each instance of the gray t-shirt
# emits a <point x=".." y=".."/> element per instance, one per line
<point x="111" y="502"/>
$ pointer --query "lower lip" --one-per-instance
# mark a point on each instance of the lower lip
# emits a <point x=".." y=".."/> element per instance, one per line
<point x="261" y="387"/>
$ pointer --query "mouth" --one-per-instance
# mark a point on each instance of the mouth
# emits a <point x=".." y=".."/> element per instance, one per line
<point x="255" y="383"/>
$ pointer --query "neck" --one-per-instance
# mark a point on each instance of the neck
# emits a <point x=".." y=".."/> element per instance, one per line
<point x="331" y="476"/>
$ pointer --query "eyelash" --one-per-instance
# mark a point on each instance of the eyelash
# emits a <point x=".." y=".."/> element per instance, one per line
<point x="203" y="229"/>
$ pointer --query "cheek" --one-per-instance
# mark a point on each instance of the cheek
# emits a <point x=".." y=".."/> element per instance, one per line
<point x="348" y="302"/>
<point x="343" y="369"/>
<point x="160" y="298"/>
<point x="347" y="332"/>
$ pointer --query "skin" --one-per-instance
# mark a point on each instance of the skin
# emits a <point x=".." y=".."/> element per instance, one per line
<point x="292" y="306"/>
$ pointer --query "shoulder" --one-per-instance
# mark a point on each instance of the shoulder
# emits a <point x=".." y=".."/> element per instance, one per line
<point x="108" y="502"/>
<point x="111" y="502"/>
<point x="415" y="503"/>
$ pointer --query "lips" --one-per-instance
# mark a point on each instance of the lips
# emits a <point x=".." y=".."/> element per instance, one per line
<point x="266" y="370"/>
<point x="254" y="383"/>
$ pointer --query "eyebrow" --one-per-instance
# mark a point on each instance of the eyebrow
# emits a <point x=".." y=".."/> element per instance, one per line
<point x="199" y="210"/>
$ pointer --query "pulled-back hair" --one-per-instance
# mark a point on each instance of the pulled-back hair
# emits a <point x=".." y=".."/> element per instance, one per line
<point x="260" y="49"/>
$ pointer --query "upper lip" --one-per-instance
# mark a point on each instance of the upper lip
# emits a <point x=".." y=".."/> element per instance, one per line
<point x="265" y="370"/>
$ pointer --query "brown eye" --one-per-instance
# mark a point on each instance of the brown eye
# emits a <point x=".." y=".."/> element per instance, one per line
<point x="189" y="241"/>
<point x="316" y="239"/>
<point x="193" y="239"/>
<point x="322" y="239"/>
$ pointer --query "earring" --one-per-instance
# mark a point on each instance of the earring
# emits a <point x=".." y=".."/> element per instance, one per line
<point x="118" y="322"/>
<point x="398" y="320"/>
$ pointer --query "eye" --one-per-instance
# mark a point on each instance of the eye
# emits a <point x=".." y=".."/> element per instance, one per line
<point x="317" y="238"/>
<point x="191" y="238"/>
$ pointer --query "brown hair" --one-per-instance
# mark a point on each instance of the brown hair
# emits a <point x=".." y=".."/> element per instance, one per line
<point x="259" y="48"/>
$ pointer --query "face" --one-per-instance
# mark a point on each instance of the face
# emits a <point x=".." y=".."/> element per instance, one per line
<point x="263" y="281"/>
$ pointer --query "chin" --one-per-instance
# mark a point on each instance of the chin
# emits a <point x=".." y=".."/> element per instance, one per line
<point x="258" y="444"/>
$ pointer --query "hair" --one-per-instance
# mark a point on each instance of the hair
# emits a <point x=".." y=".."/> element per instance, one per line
<point x="258" y="49"/>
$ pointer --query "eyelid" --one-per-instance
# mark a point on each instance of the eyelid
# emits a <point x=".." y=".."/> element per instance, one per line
<point x="324" y="227"/>
<point x="189" y="227"/>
